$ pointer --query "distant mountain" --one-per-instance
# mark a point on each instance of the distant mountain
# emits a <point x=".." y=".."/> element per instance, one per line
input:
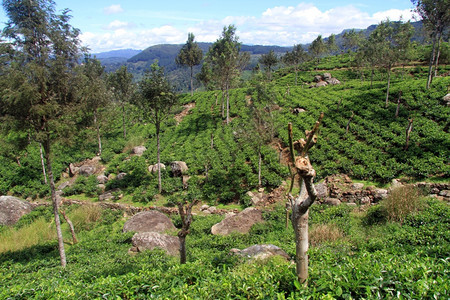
<point x="123" y="53"/>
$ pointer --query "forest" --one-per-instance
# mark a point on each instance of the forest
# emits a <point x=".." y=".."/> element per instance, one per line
<point x="89" y="148"/>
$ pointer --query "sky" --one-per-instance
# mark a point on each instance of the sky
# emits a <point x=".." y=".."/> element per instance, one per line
<point x="138" y="24"/>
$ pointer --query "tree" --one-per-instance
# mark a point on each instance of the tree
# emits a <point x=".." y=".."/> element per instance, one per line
<point x="302" y="169"/>
<point x="435" y="15"/>
<point x="190" y="55"/>
<point x="331" y="44"/>
<point x="226" y="61"/>
<point x="317" y="49"/>
<point x="121" y="83"/>
<point x="40" y="81"/>
<point x="352" y="40"/>
<point x="94" y="93"/>
<point x="155" y="100"/>
<point x="269" y="60"/>
<point x="295" y="58"/>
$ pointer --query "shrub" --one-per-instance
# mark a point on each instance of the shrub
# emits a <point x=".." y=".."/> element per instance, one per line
<point x="376" y="214"/>
<point x="323" y="233"/>
<point x="85" y="217"/>
<point x="401" y="202"/>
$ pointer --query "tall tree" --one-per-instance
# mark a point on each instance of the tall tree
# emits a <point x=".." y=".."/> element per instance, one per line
<point x="352" y="40"/>
<point x="190" y="55"/>
<point x="226" y="61"/>
<point x="268" y="60"/>
<point x="435" y="15"/>
<point x="331" y="44"/>
<point x="317" y="49"/>
<point x="41" y="79"/>
<point x="155" y="100"/>
<point x="121" y="83"/>
<point x="94" y="93"/>
<point x="295" y="58"/>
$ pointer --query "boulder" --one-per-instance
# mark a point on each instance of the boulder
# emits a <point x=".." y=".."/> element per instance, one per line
<point x="327" y="76"/>
<point x="178" y="168"/>
<point x="102" y="179"/>
<point x="298" y="110"/>
<point x="446" y="99"/>
<point x="379" y="194"/>
<point x="12" y="209"/>
<point x="86" y="170"/>
<point x="332" y="201"/>
<point x="121" y="176"/>
<point x="322" y="190"/>
<point x="241" y="223"/>
<point x="317" y="78"/>
<point x="109" y="195"/>
<point x="138" y="150"/>
<point x="150" y="240"/>
<point x="357" y="186"/>
<point x="149" y="221"/>
<point x="154" y="168"/>
<point x="73" y="170"/>
<point x="333" y="81"/>
<point x="260" y="252"/>
<point x="321" y="83"/>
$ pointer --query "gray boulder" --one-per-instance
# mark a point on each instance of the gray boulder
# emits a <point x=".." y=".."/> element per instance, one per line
<point x="327" y="76"/>
<point x="154" y="168"/>
<point x="321" y="83"/>
<point x="260" y="252"/>
<point x="332" y="201"/>
<point x="178" y="168"/>
<point x="446" y="99"/>
<point x="73" y="170"/>
<point x="151" y="240"/>
<point x="380" y="194"/>
<point x="138" y="150"/>
<point x="241" y="223"/>
<point x="317" y="78"/>
<point x="333" y="81"/>
<point x="102" y="179"/>
<point x="86" y="170"/>
<point x="149" y="221"/>
<point x="12" y="209"/>
<point x="322" y="190"/>
<point x="121" y="176"/>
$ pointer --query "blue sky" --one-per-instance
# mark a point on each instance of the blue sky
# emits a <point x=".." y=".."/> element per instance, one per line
<point x="138" y="24"/>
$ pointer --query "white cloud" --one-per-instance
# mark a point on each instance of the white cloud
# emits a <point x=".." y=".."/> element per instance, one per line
<point x="279" y="25"/>
<point x="113" y="9"/>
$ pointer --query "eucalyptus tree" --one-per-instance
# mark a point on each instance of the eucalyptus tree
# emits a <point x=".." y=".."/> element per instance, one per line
<point x="317" y="49"/>
<point x="435" y="15"/>
<point x="352" y="40"/>
<point x="94" y="93"/>
<point x="121" y="84"/>
<point x="40" y="82"/>
<point x="331" y="44"/>
<point x="190" y="55"/>
<point x="268" y="60"/>
<point x="295" y="58"/>
<point x="226" y="61"/>
<point x="155" y="99"/>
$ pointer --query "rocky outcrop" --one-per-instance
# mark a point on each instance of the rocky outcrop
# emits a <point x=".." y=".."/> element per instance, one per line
<point x="110" y="195"/>
<point x="154" y="168"/>
<point x="102" y="179"/>
<point x="324" y="80"/>
<point x="87" y="170"/>
<point x="150" y="240"/>
<point x="260" y="252"/>
<point x="149" y="221"/>
<point x="240" y="223"/>
<point x="12" y="209"/>
<point x="178" y="168"/>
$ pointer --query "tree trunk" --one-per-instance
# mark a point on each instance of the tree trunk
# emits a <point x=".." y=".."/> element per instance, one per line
<point x="259" y="167"/>
<point x="99" y="140"/>
<point x="158" y="158"/>
<point x="123" y="122"/>
<point x="72" y="230"/>
<point x="223" y="103"/>
<point x="430" y="66"/>
<point x="301" y="248"/>
<point x="436" y="64"/>
<point x="388" y="86"/>
<point x="408" y="133"/>
<point x="228" y="105"/>
<point x="55" y="203"/>
<point x="192" y="81"/>
<point x="398" y="103"/>
<point x="182" y="240"/>
<point x="43" y="163"/>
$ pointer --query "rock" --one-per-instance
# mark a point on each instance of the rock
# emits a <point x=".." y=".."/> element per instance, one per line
<point x="298" y="110"/>
<point x="96" y="159"/>
<point x="241" y="223"/>
<point x="151" y="240"/>
<point x="332" y="201"/>
<point x="379" y="194"/>
<point x="212" y="210"/>
<point x="317" y="78"/>
<point x="396" y="183"/>
<point x="230" y="214"/>
<point x="149" y="221"/>
<point x="261" y="252"/>
<point x="365" y="200"/>
<point x="434" y="191"/>
<point x="204" y="207"/>
<point x="121" y="176"/>
<point x="86" y="170"/>
<point x="109" y="195"/>
<point x="102" y="179"/>
<point x="185" y="180"/>
<point x="154" y="168"/>
<point x="138" y="150"/>
<point x="322" y="190"/>
<point x="357" y="186"/>
<point x="333" y="81"/>
<point x="351" y="204"/>
<point x="64" y="185"/>
<point x="326" y="76"/>
<point x="73" y="170"/>
<point x="321" y="83"/>
<point x="178" y="168"/>
<point x="12" y="209"/>
<point x="102" y="187"/>
<point x="446" y="99"/>
<point x="444" y="193"/>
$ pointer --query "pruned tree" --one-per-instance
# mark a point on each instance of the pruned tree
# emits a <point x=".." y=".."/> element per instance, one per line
<point x="155" y="99"/>
<point x="40" y="80"/>
<point x="268" y="60"/>
<point x="295" y="58"/>
<point x="190" y="55"/>
<point x="435" y="15"/>
<point x="121" y="84"/>
<point x="302" y="169"/>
